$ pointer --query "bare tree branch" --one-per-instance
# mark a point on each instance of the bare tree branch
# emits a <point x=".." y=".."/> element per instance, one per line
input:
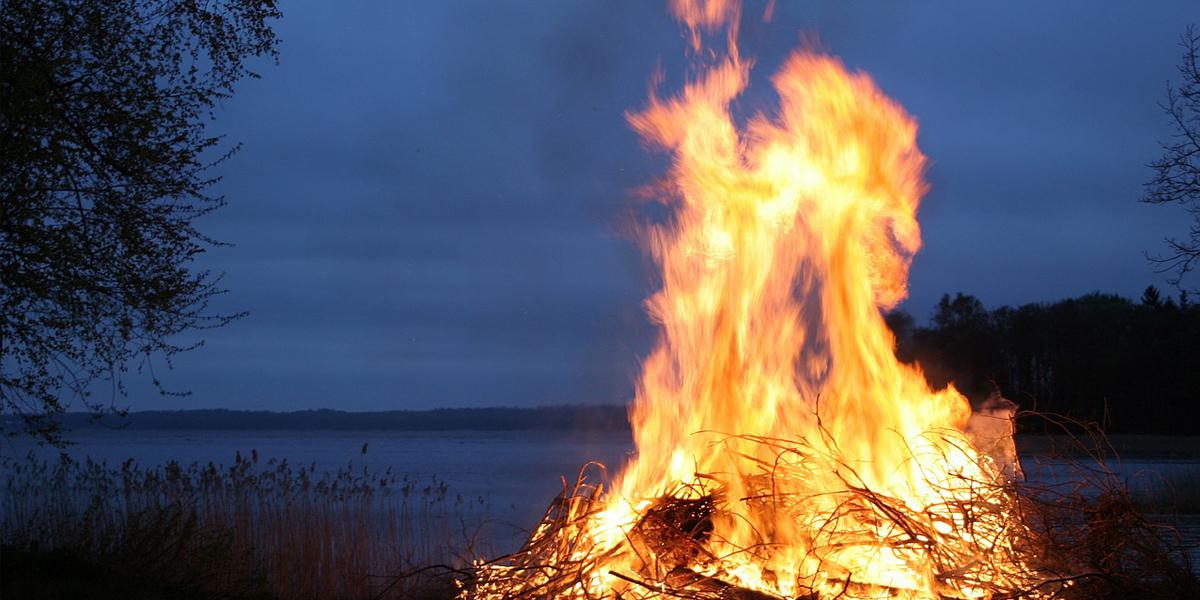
<point x="1177" y="173"/>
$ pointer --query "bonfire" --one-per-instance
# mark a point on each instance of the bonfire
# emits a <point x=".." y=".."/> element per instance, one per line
<point x="782" y="449"/>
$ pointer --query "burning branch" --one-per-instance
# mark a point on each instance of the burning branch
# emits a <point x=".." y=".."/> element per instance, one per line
<point x="845" y="475"/>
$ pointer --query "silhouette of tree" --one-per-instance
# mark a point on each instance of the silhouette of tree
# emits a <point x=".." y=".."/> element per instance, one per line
<point x="1151" y="296"/>
<point x="105" y="163"/>
<point x="957" y="348"/>
<point x="903" y="326"/>
<point x="962" y="312"/>
<point x="1133" y="367"/>
<point x="1177" y="172"/>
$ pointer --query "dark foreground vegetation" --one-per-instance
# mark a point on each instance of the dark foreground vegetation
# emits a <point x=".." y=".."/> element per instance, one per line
<point x="1133" y="367"/>
<point x="250" y="530"/>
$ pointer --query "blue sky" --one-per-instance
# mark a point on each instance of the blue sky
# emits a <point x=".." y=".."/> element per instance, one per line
<point x="429" y="206"/>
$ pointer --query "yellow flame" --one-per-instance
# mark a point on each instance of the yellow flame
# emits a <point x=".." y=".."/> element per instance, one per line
<point x="774" y="388"/>
<point x="789" y="235"/>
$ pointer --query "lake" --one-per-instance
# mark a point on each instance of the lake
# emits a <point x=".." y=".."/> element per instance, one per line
<point x="517" y="474"/>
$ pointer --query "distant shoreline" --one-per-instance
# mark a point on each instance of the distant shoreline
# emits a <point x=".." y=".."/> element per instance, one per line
<point x="551" y="419"/>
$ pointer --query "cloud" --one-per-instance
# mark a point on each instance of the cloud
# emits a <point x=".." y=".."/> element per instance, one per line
<point x="427" y="209"/>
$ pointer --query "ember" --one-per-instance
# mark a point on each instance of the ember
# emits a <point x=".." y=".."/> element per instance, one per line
<point x="783" y="451"/>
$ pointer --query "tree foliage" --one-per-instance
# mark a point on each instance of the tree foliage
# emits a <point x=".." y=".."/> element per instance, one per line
<point x="105" y="165"/>
<point x="1133" y="367"/>
<point x="1177" y="173"/>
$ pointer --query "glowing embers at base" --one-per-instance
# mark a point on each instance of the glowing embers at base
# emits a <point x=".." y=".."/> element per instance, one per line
<point x="782" y="449"/>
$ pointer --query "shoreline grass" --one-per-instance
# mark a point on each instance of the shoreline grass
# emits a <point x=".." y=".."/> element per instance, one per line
<point x="268" y="529"/>
<point x="247" y="530"/>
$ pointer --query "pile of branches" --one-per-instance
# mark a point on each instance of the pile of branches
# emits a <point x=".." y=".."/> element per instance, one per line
<point x="561" y="555"/>
<point x="1063" y="543"/>
<point x="1090" y="522"/>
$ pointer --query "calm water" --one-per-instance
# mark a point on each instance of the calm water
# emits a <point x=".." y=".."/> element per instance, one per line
<point x="517" y="473"/>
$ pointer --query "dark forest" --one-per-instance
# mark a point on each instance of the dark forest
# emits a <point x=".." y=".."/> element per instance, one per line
<point x="1132" y="367"/>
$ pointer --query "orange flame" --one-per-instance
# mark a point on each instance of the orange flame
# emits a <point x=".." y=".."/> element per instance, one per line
<point x="774" y="386"/>
<point x="788" y="238"/>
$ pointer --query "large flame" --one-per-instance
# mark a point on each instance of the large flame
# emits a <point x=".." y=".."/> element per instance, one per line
<point x="774" y="388"/>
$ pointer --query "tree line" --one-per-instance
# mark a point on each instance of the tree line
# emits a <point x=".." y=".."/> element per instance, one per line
<point x="1132" y="367"/>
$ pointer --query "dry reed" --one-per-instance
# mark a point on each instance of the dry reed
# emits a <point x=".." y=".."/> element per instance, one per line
<point x="349" y="534"/>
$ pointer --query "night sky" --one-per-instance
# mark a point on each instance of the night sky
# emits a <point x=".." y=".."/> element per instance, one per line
<point x="431" y="203"/>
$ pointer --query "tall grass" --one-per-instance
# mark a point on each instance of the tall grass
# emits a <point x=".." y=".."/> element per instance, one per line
<point x="272" y="529"/>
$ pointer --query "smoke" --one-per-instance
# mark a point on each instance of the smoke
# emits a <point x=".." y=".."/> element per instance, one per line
<point x="990" y="429"/>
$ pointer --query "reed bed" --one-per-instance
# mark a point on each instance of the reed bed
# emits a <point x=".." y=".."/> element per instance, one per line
<point x="250" y="529"/>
